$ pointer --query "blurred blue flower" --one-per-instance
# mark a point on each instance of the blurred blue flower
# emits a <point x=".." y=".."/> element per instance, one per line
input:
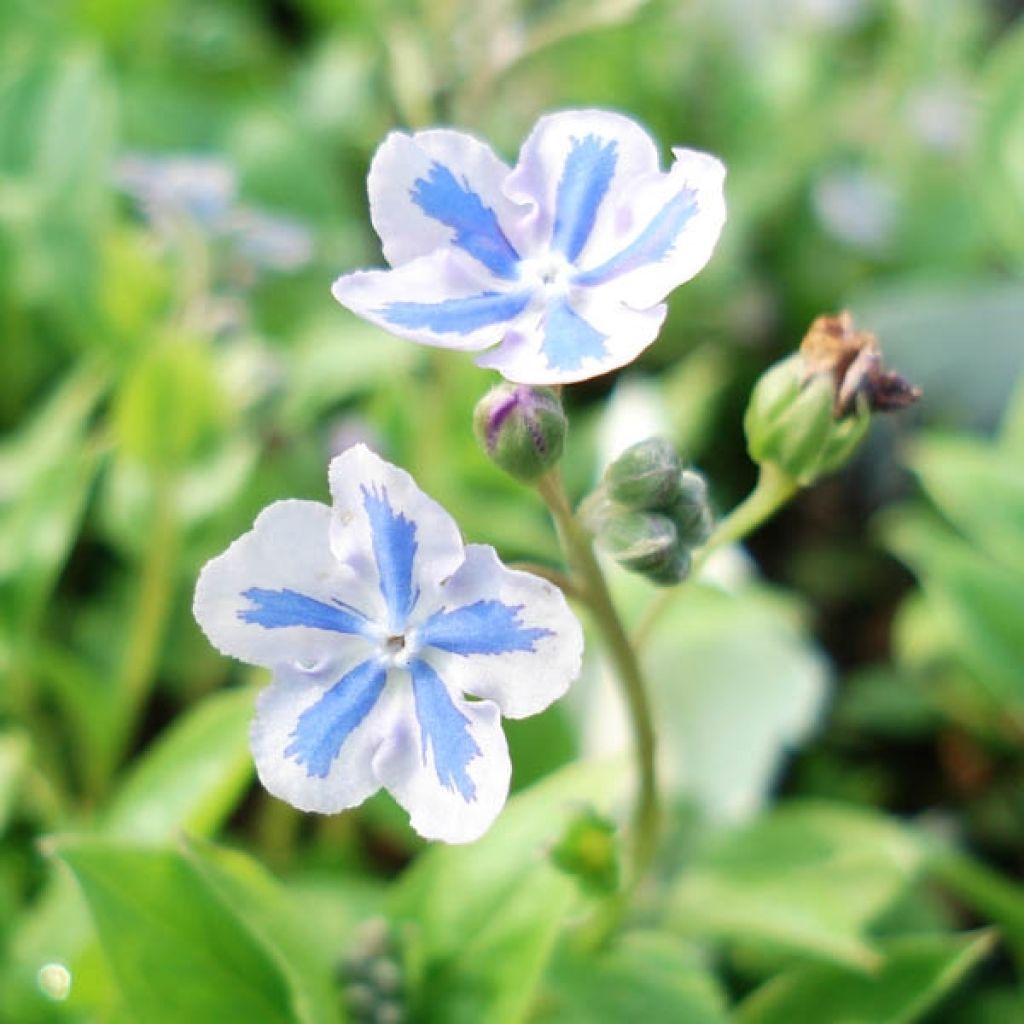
<point x="167" y="188"/>
<point x="376" y="620"/>
<point x="203" y="192"/>
<point x="558" y="268"/>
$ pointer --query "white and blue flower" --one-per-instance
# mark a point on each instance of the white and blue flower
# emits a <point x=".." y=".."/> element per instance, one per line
<point x="556" y="269"/>
<point x="377" y="622"/>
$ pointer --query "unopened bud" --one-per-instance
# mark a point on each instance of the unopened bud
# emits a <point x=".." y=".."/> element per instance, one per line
<point x="645" y="476"/>
<point x="638" y="541"/>
<point x="588" y="850"/>
<point x="691" y="511"/>
<point x="673" y="570"/>
<point x="521" y="428"/>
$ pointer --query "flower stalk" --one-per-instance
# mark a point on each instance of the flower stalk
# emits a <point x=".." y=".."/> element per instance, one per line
<point x="593" y="590"/>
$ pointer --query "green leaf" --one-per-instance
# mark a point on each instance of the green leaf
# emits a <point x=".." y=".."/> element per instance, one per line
<point x="977" y="597"/>
<point x="647" y="976"/>
<point x="735" y="682"/>
<point x="487" y="914"/>
<point x="171" y="408"/>
<point x="14" y="758"/>
<point x="807" y="878"/>
<point x="192" y="777"/>
<point x="177" y="949"/>
<point x="980" y="488"/>
<point x="267" y="911"/>
<point x="1001" y="148"/>
<point x="916" y="972"/>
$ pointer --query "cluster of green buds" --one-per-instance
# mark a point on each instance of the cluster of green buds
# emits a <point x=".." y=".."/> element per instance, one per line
<point x="650" y="512"/>
<point x="808" y="413"/>
<point x="372" y="976"/>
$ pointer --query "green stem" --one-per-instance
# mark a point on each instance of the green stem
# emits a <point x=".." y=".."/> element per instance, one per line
<point x="594" y="591"/>
<point x="772" y="490"/>
<point x="151" y="608"/>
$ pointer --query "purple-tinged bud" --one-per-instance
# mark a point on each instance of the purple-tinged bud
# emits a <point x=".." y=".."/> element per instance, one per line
<point x="521" y="428"/>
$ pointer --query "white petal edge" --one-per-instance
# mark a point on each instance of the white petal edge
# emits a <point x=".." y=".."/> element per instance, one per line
<point x="287" y="549"/>
<point x="520" y="357"/>
<point x="521" y="683"/>
<point x="435" y="811"/>
<point x="650" y="283"/>
<point x="351" y="778"/>
<point x="432" y="279"/>
<point x="440" y="550"/>
<point x="534" y="180"/>
<point x="405" y="231"/>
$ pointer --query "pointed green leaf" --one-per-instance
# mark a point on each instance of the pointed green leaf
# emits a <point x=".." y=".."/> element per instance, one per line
<point x="915" y="974"/>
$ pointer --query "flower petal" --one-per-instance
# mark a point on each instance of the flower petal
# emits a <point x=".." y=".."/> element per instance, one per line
<point x="278" y="595"/>
<point x="520" y="645"/>
<point x="397" y="541"/>
<point x="574" y="168"/>
<point x="315" y="735"/>
<point x="442" y="188"/>
<point x="442" y="299"/>
<point x="446" y="762"/>
<point x="662" y="234"/>
<point x="582" y="336"/>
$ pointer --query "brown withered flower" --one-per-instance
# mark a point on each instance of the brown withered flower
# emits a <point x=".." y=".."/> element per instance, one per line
<point x="854" y="359"/>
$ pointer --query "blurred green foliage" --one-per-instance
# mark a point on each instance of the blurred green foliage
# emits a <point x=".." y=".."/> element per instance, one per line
<point x="161" y="381"/>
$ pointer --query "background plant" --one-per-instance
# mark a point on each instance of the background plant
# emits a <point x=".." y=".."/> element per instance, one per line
<point x="161" y="383"/>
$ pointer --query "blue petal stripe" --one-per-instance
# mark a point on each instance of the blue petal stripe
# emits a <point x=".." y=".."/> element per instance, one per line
<point x="394" y="550"/>
<point x="457" y="316"/>
<point x="445" y="728"/>
<point x="457" y="206"/>
<point x="569" y="339"/>
<point x="324" y="726"/>
<point x="484" y="627"/>
<point x="589" y="169"/>
<point x="279" y="609"/>
<point x="652" y="245"/>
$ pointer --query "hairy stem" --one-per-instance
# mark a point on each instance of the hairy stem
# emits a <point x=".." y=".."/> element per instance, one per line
<point x="593" y="590"/>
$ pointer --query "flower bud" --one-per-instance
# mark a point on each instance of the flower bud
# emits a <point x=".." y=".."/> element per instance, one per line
<point x="691" y="511"/>
<point x="645" y="476"/>
<point x="673" y="570"/>
<point x="791" y="423"/>
<point x="521" y="428"/>
<point x="808" y="413"/>
<point x="588" y="850"/>
<point x="639" y="541"/>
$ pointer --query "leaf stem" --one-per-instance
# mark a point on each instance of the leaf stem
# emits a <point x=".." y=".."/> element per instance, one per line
<point x="593" y="591"/>
<point x="772" y="490"/>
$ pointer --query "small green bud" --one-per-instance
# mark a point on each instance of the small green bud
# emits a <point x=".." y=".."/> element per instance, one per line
<point x="521" y="428"/>
<point x="691" y="511"/>
<point x="808" y="413"/>
<point x="638" y="541"/>
<point x="645" y="476"/>
<point x="588" y="850"/>
<point x="791" y="422"/>
<point x="673" y="570"/>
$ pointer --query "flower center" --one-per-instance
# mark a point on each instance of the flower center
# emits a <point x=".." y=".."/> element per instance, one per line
<point x="398" y="648"/>
<point x="550" y="272"/>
